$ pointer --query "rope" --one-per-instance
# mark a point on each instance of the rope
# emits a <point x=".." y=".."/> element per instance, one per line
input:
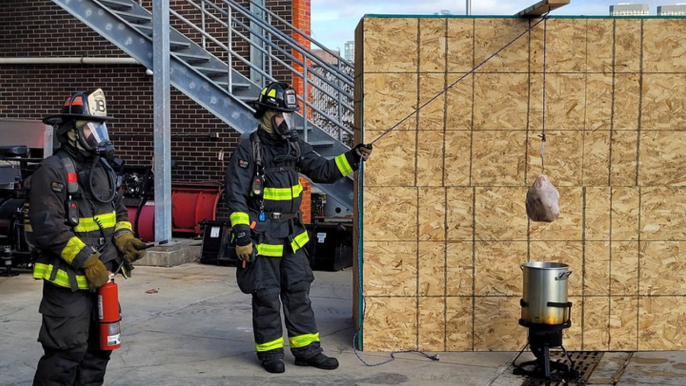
<point x="544" y="17"/>
<point x="545" y="57"/>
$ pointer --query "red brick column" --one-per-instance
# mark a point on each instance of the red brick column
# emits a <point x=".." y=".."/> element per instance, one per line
<point x="306" y="203"/>
<point x="301" y="21"/>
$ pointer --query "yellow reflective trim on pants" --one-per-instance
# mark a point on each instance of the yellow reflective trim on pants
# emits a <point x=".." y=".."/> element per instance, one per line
<point x="73" y="247"/>
<point x="303" y="340"/>
<point x="299" y="241"/>
<point x="239" y="218"/>
<point x="88" y="224"/>
<point x="272" y="250"/>
<point x="123" y="225"/>
<point x="343" y="165"/>
<point x="44" y="271"/>
<point x="283" y="194"/>
<point x="273" y="345"/>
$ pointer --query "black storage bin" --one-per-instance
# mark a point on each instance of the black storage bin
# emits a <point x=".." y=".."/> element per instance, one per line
<point x="330" y="246"/>
<point x="215" y="242"/>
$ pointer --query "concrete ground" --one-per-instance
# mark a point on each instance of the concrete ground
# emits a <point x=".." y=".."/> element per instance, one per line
<point x="190" y="325"/>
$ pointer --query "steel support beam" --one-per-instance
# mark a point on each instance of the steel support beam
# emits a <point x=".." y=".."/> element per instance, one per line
<point x="162" y="119"/>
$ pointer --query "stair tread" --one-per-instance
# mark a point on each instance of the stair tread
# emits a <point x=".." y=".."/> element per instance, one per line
<point x="133" y="16"/>
<point x="144" y="28"/>
<point x="193" y="56"/>
<point x="178" y="43"/>
<point x="209" y="71"/>
<point x="116" y="4"/>
<point x="321" y="143"/>
<point x="191" y="59"/>
<point x="235" y="85"/>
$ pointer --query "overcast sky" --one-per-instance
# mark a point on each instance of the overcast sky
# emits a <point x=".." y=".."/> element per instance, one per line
<point x="334" y="21"/>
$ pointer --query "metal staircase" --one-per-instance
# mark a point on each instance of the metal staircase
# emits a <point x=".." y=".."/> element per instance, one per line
<point x="214" y="83"/>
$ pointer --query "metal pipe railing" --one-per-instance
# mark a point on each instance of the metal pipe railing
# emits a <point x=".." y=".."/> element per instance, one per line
<point x="301" y="33"/>
<point x="284" y="37"/>
<point x="291" y="55"/>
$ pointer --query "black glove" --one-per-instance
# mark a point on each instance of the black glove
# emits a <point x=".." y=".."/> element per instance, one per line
<point x="363" y="151"/>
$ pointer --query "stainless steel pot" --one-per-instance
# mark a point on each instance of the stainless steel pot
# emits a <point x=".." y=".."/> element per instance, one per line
<point x="545" y="293"/>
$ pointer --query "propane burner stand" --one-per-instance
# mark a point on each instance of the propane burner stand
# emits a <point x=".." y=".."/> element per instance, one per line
<point x="545" y="312"/>
<point x="541" y="339"/>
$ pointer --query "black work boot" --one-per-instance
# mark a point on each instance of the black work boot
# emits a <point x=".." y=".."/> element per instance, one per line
<point x="319" y="361"/>
<point x="274" y="366"/>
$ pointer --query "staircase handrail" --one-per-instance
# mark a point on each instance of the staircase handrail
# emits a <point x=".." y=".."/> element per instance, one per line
<point x="307" y="56"/>
<point x="291" y="42"/>
<point x="306" y="36"/>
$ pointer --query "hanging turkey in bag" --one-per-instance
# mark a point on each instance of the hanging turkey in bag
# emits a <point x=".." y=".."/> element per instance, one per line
<point x="541" y="200"/>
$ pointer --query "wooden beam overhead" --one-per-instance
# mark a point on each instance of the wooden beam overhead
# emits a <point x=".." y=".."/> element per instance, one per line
<point x="542" y="7"/>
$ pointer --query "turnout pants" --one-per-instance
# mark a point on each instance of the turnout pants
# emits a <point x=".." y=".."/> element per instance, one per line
<point x="283" y="280"/>
<point x="70" y="338"/>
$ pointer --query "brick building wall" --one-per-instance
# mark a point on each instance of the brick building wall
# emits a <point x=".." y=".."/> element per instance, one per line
<point x="40" y="28"/>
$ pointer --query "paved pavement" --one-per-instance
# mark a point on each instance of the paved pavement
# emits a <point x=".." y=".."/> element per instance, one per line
<point x="190" y="325"/>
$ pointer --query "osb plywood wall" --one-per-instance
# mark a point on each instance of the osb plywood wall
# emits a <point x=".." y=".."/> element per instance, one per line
<point x="445" y="229"/>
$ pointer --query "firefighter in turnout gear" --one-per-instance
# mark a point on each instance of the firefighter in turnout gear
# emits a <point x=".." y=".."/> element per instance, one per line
<point x="77" y="222"/>
<point x="263" y="194"/>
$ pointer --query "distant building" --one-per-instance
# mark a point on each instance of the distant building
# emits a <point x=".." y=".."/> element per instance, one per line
<point x="629" y="9"/>
<point x="349" y="51"/>
<point x="443" y="12"/>
<point x="679" y="9"/>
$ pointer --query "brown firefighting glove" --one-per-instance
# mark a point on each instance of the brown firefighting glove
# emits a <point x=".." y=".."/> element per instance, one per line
<point x="244" y="252"/>
<point x="363" y="151"/>
<point x="131" y="248"/>
<point x="95" y="271"/>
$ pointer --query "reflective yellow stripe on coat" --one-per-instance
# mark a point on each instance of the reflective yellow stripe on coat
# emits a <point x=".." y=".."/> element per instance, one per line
<point x="343" y="165"/>
<point x="299" y="241"/>
<point x="239" y="218"/>
<point x="44" y="271"/>
<point x="89" y="224"/>
<point x="276" y="250"/>
<point x="73" y="247"/>
<point x="123" y="225"/>
<point x="272" y="250"/>
<point x="283" y="194"/>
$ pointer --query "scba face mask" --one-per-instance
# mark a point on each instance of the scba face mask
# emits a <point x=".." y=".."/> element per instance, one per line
<point x="286" y="129"/>
<point x="93" y="137"/>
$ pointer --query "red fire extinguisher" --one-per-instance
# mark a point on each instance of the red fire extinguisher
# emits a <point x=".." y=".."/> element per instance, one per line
<point x="109" y="315"/>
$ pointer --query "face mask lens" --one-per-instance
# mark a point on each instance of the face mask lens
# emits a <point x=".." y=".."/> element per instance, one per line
<point x="92" y="134"/>
<point x="95" y="133"/>
<point x="288" y="118"/>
